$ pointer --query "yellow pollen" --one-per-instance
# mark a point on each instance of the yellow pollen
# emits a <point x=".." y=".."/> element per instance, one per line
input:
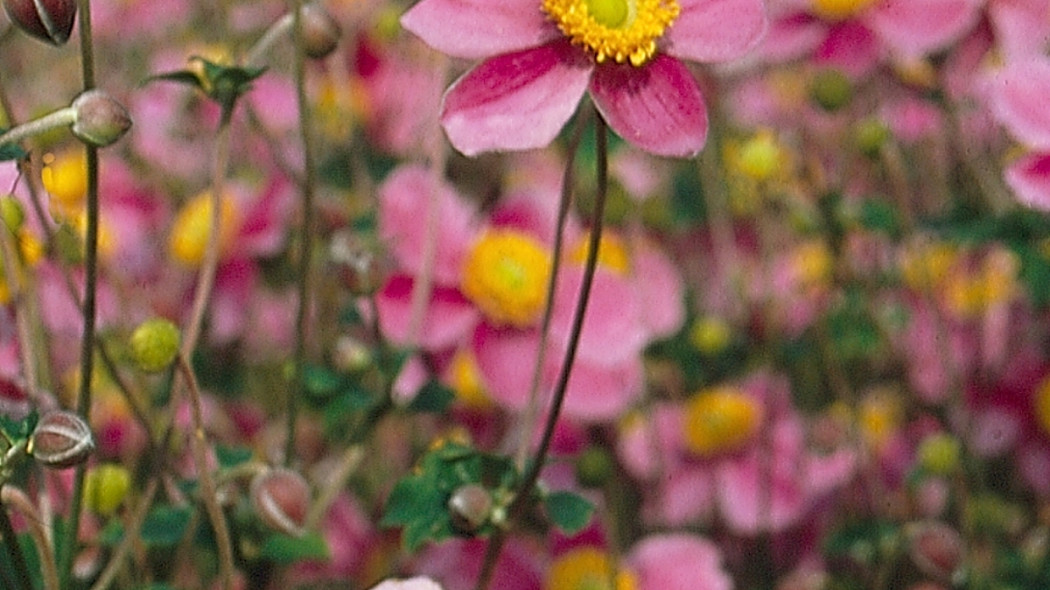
<point x="1041" y="405"/>
<point x="65" y="178"/>
<point x="612" y="254"/>
<point x="624" y="31"/>
<point x="192" y="229"/>
<point x="839" y="9"/>
<point x="505" y="275"/>
<point x="720" y="420"/>
<point x="588" y="568"/>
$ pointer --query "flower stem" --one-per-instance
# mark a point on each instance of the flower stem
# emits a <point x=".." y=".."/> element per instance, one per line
<point x="17" y="499"/>
<point x="63" y="117"/>
<point x="521" y="498"/>
<point x="567" y="186"/>
<point x="305" y="234"/>
<point x="14" y="550"/>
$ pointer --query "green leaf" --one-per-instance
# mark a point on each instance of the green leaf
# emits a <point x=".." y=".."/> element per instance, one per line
<point x="568" y="511"/>
<point x="11" y="151"/>
<point x="286" y="549"/>
<point x="409" y="498"/>
<point x="232" y="456"/>
<point x="321" y="382"/>
<point x="165" y="525"/>
<point x="433" y="397"/>
<point x="881" y="216"/>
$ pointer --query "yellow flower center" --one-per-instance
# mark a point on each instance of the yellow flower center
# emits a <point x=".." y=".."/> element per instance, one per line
<point x="65" y="178"/>
<point x="612" y="253"/>
<point x="720" y="420"/>
<point x="879" y="417"/>
<point x="192" y="229"/>
<point x="465" y="379"/>
<point x="839" y="9"/>
<point x="1041" y="405"/>
<point x="505" y="275"/>
<point x="621" y="30"/>
<point x="587" y="568"/>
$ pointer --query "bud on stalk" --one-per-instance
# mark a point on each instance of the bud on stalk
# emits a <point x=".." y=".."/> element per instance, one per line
<point x="48" y="20"/>
<point x="99" y="119"/>
<point x="61" y="439"/>
<point x="281" y="498"/>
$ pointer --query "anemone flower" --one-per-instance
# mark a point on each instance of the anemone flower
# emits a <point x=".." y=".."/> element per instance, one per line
<point x="541" y="56"/>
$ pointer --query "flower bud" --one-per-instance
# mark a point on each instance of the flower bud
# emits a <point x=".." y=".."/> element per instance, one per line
<point x="281" y="498"/>
<point x="831" y="89"/>
<point x="320" y="31"/>
<point x="360" y="264"/>
<point x="106" y="487"/>
<point x="939" y="453"/>
<point x="351" y="355"/>
<point x="470" y="507"/>
<point x="47" y="20"/>
<point x="154" y="344"/>
<point x="100" y="120"/>
<point x="937" y="550"/>
<point x="594" y="467"/>
<point x="61" y="439"/>
<point x="12" y="213"/>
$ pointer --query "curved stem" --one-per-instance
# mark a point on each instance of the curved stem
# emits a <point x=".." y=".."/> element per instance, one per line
<point x="14" y="549"/>
<point x="16" y="498"/>
<point x="270" y="37"/>
<point x="131" y="531"/>
<point x="306" y="242"/>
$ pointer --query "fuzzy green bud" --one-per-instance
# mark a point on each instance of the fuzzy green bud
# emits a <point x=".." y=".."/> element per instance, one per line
<point x="105" y="488"/>
<point x="99" y="120"/>
<point x="154" y="344"/>
<point x="939" y="453"/>
<point x="831" y="89"/>
<point x="12" y="213"/>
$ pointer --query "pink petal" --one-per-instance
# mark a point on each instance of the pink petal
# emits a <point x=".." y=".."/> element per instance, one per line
<point x="447" y="319"/>
<point x="850" y="47"/>
<point x="716" y="30"/>
<point x="678" y="561"/>
<point x="612" y="328"/>
<point x="478" y="29"/>
<point x="792" y="37"/>
<point x="660" y="290"/>
<point x="516" y="101"/>
<point x="1022" y="27"/>
<point x="1018" y="97"/>
<point x="657" y="107"/>
<point x="506" y="358"/>
<point x="1029" y="177"/>
<point x="599" y="393"/>
<point x="403" y="203"/>
<point x="917" y="27"/>
<point x="686" y="496"/>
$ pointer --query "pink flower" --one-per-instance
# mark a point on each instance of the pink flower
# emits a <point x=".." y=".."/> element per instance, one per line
<point x="1017" y="98"/>
<point x="541" y="56"/>
<point x="417" y="583"/>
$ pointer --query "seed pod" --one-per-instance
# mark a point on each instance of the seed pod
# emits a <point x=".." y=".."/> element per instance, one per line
<point x="61" y="439"/>
<point x="320" y="31"/>
<point x="48" y="20"/>
<point x="281" y="498"/>
<point x="470" y="507"/>
<point x="100" y="119"/>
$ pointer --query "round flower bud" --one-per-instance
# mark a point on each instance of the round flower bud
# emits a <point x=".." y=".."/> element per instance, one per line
<point x="594" y="467"/>
<point x="320" y="31"/>
<point x="47" y="20"/>
<point x="869" y="135"/>
<point x="937" y="550"/>
<point x="100" y="120"/>
<point x="470" y="507"/>
<point x="831" y="89"/>
<point x="281" y="498"/>
<point x="106" y="487"/>
<point x="12" y="213"/>
<point x="61" y="439"/>
<point x="939" y="453"/>
<point x="154" y="344"/>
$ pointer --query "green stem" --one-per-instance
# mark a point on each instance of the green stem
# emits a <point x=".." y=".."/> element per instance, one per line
<point x="524" y="493"/>
<point x="14" y="550"/>
<point x="87" y="65"/>
<point x="305" y="235"/>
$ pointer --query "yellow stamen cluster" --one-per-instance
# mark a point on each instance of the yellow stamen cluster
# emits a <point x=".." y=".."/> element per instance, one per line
<point x="624" y="31"/>
<point x="466" y="380"/>
<point x="588" y="568"/>
<point x="612" y="254"/>
<point x="505" y="275"/>
<point x="192" y="229"/>
<point x="720" y="420"/>
<point x="839" y="9"/>
<point x="65" y="178"/>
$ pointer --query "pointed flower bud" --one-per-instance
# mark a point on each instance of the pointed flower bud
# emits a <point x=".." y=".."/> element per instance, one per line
<point x="470" y="507"/>
<point x="47" y="20"/>
<point x="320" y="31"/>
<point x="100" y="120"/>
<point x="61" y="439"/>
<point x="281" y="498"/>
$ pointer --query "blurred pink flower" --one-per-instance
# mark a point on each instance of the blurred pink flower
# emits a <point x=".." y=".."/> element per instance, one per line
<point x="540" y="57"/>
<point x="1018" y="93"/>
<point x="417" y="583"/>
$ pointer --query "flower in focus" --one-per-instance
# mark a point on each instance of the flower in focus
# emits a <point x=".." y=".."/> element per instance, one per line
<point x="540" y="60"/>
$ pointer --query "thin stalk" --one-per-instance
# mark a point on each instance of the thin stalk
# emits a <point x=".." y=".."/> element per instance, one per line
<point x="207" y="484"/>
<point x="568" y="183"/>
<point x="87" y="68"/>
<point x="131" y="535"/>
<point x="306" y="242"/>
<point x="63" y="117"/>
<point x="16" y="498"/>
<point x="14" y="550"/>
<point x="270" y="37"/>
<point x="521" y="498"/>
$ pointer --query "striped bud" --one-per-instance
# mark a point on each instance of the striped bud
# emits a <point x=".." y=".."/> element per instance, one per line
<point x="47" y="20"/>
<point x="61" y="439"/>
<point x="281" y="498"/>
<point x="320" y="31"/>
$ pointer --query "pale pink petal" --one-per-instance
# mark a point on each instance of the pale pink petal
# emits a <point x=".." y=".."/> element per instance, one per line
<point x="612" y="328"/>
<point x="412" y="377"/>
<point x="1018" y="94"/>
<point x="715" y="30"/>
<point x="516" y="101"/>
<point x="404" y="199"/>
<point x="686" y="496"/>
<point x="417" y="583"/>
<point x="1029" y="177"/>
<point x="792" y="37"/>
<point x="448" y="317"/>
<point x="850" y="47"/>
<point x="660" y="290"/>
<point x="1022" y="27"/>
<point x="506" y="358"/>
<point x="658" y="107"/>
<point x="476" y="29"/>
<point x="751" y="503"/>
<point x="600" y="393"/>
<point x="678" y="561"/>
<point x="916" y="27"/>
<point x="825" y="473"/>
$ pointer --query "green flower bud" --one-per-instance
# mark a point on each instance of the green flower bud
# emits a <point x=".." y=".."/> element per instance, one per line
<point x="100" y="120"/>
<point x="831" y="89"/>
<point x="105" y="488"/>
<point x="154" y="344"/>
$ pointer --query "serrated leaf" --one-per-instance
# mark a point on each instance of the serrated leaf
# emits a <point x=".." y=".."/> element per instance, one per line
<point x="285" y="549"/>
<point x="568" y="511"/>
<point x="232" y="456"/>
<point x="433" y="397"/>
<point x="165" y="525"/>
